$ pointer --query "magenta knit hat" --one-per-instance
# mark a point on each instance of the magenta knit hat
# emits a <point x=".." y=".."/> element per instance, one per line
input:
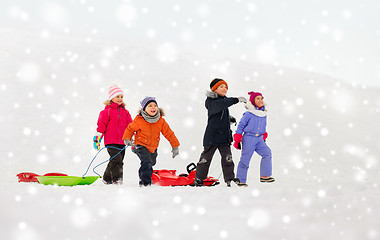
<point x="253" y="95"/>
<point x="114" y="91"/>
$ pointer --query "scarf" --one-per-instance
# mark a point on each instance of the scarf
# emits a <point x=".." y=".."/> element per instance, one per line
<point x="151" y="119"/>
<point x="260" y="113"/>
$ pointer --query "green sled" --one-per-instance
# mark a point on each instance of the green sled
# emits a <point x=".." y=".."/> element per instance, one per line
<point x="66" y="180"/>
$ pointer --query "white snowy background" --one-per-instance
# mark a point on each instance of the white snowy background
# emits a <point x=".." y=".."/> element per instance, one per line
<point x="316" y="63"/>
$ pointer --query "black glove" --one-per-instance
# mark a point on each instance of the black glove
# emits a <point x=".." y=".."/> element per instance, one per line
<point x="232" y="120"/>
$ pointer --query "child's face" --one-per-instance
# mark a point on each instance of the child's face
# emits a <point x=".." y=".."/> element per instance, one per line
<point x="259" y="102"/>
<point x="222" y="90"/>
<point x="118" y="99"/>
<point x="151" y="109"/>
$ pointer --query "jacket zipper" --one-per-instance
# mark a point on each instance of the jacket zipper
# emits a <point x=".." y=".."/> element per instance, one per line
<point x="118" y="122"/>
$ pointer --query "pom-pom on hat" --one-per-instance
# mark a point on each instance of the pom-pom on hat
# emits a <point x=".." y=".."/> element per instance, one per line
<point x="146" y="101"/>
<point x="216" y="83"/>
<point x="113" y="91"/>
<point x="253" y="95"/>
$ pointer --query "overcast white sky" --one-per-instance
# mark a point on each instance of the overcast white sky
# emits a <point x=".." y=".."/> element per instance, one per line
<point x="340" y="38"/>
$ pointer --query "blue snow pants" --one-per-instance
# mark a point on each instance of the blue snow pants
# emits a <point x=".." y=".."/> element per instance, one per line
<point x="251" y="144"/>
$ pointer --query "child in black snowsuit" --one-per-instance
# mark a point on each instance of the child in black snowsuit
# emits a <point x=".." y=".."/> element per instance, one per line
<point x="218" y="134"/>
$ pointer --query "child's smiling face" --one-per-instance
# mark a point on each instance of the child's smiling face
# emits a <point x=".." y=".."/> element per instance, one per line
<point x="118" y="99"/>
<point x="222" y="90"/>
<point x="259" y="102"/>
<point x="151" y="109"/>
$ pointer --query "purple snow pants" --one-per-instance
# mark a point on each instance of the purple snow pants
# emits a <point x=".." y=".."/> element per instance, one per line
<point x="250" y="144"/>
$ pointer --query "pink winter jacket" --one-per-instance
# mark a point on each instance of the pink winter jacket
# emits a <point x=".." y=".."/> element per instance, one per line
<point x="112" y="122"/>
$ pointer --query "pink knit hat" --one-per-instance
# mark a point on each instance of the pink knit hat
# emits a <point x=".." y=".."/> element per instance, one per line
<point x="113" y="91"/>
<point x="253" y="95"/>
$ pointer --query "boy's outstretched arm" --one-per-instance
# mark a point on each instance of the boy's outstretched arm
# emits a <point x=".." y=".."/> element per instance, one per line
<point x="219" y="105"/>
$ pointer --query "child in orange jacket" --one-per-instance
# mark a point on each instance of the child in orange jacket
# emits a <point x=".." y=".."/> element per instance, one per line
<point x="148" y="125"/>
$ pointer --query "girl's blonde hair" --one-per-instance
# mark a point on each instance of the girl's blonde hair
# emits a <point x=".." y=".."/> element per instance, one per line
<point x="108" y="102"/>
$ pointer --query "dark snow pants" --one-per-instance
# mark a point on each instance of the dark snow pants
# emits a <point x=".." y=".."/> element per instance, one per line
<point x="205" y="160"/>
<point x="114" y="170"/>
<point x="147" y="161"/>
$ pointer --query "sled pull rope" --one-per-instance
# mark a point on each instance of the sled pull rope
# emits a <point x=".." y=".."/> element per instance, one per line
<point x="109" y="159"/>
<point x="121" y="149"/>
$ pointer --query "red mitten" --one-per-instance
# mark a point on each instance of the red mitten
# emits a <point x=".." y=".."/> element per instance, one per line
<point x="265" y="135"/>
<point x="237" y="140"/>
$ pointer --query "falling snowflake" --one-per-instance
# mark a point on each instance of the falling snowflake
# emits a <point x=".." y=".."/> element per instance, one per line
<point x="167" y="53"/>
<point x="42" y="158"/>
<point x="321" y="193"/>
<point x="54" y="14"/>
<point x="81" y="217"/>
<point x="324" y="132"/>
<point x="187" y="36"/>
<point x="224" y="234"/>
<point x="177" y="199"/>
<point x="29" y="72"/>
<point x="203" y="10"/>
<point x="266" y="53"/>
<point x="258" y="219"/>
<point x="126" y="13"/>
<point x="27" y="131"/>
<point x="287" y="131"/>
<point x="189" y="122"/>
<point x="286" y="219"/>
<point x="347" y="14"/>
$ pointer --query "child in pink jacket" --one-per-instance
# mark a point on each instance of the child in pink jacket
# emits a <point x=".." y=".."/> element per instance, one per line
<point x="112" y="122"/>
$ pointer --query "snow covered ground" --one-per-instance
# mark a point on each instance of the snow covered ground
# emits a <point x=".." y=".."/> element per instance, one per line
<point x="323" y="133"/>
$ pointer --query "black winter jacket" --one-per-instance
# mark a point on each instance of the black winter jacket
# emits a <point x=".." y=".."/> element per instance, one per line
<point x="218" y="131"/>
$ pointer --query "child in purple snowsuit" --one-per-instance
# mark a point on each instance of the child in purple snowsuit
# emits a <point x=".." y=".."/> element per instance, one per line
<point x="251" y="134"/>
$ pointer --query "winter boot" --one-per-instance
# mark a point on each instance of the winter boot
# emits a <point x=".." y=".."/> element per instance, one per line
<point x="267" y="179"/>
<point x="242" y="185"/>
<point x="235" y="180"/>
<point x="142" y="184"/>
<point x="118" y="182"/>
<point x="107" y="182"/>
<point x="198" y="182"/>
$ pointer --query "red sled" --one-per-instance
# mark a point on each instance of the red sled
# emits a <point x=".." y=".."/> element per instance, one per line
<point x="32" y="177"/>
<point x="169" y="178"/>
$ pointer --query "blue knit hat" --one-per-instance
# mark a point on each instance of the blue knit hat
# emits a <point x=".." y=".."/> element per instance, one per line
<point x="146" y="101"/>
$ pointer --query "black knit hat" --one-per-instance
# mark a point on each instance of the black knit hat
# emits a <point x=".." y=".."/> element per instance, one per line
<point x="216" y="83"/>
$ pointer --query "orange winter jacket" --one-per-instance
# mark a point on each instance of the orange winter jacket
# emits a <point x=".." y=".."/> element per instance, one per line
<point x="148" y="134"/>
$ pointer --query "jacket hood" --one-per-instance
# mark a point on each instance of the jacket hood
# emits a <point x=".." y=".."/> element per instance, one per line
<point x="211" y="94"/>
<point x="255" y="110"/>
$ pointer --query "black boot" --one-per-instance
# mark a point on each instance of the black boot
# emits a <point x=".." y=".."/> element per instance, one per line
<point x="198" y="182"/>
<point x="235" y="180"/>
<point x="142" y="184"/>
